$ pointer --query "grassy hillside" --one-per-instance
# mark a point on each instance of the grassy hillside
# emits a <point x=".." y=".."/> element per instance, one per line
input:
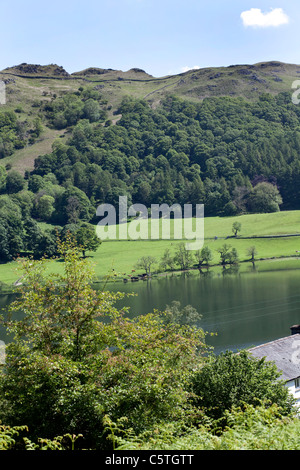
<point x="122" y="256"/>
<point x="27" y="83"/>
<point x="247" y="80"/>
<point x="23" y="159"/>
<point x="28" y="86"/>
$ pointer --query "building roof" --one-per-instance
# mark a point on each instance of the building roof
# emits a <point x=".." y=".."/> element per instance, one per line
<point x="284" y="352"/>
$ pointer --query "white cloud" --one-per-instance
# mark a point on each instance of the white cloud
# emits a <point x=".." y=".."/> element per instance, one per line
<point x="186" y="68"/>
<point x="256" y="18"/>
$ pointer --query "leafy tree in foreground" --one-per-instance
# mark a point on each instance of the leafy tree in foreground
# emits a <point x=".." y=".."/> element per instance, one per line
<point x="231" y="380"/>
<point x="75" y="358"/>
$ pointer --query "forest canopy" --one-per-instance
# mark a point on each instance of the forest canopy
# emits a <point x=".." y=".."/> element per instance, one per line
<point x="232" y="155"/>
<point x="214" y="153"/>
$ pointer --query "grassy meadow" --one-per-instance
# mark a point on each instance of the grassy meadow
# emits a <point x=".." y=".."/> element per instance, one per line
<point x="120" y="256"/>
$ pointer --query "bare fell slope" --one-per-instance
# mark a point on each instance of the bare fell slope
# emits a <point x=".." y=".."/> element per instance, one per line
<point x="246" y="80"/>
<point x="29" y="85"/>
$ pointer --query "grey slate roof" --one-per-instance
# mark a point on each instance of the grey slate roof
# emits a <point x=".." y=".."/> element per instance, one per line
<point x="284" y="352"/>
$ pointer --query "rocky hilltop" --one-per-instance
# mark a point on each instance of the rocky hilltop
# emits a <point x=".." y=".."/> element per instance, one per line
<point x="38" y="70"/>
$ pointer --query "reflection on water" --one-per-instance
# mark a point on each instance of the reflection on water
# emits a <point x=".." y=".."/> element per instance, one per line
<point x="244" y="306"/>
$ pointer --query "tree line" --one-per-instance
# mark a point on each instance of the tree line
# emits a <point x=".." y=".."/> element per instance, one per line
<point x="229" y="154"/>
<point x="184" y="259"/>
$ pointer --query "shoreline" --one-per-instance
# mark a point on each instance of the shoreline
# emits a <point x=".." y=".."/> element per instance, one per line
<point x="9" y="289"/>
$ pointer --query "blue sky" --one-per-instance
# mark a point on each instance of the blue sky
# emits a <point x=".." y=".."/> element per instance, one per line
<point x="160" y="36"/>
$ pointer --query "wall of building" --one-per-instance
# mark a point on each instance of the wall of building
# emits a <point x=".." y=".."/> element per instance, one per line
<point x="294" y="391"/>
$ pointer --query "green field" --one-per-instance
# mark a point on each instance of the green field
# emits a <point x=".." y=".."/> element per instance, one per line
<point x="122" y="255"/>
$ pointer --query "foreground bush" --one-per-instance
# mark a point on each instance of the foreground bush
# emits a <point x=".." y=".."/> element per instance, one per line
<point x="78" y="366"/>
<point x="249" y="428"/>
<point x="231" y="380"/>
<point x="75" y="358"/>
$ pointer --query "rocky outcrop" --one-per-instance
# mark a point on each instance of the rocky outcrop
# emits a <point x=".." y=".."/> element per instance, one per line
<point x="93" y="71"/>
<point x="40" y="70"/>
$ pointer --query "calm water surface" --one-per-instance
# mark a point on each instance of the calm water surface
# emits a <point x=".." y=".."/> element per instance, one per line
<point x="244" y="308"/>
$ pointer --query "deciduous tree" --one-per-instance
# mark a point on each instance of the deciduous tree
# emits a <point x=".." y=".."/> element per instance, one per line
<point x="76" y="358"/>
<point x="203" y="256"/>
<point x="146" y="262"/>
<point x="236" y="227"/>
<point x="236" y="379"/>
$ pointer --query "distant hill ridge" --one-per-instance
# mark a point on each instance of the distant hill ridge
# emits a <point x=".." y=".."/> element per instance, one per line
<point x="36" y="69"/>
<point x="241" y="80"/>
<point x="58" y="71"/>
<point x="29" y="87"/>
<point x="54" y="69"/>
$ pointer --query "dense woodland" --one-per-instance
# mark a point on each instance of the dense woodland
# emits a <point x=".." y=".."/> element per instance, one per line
<point x="232" y="155"/>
